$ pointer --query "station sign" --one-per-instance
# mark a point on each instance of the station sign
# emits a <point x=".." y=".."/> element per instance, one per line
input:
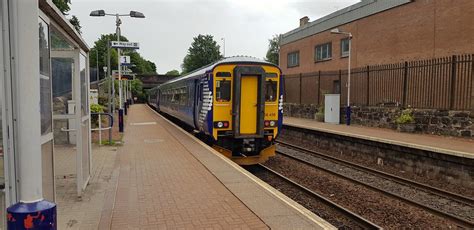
<point x="123" y="45"/>
<point x="125" y="60"/>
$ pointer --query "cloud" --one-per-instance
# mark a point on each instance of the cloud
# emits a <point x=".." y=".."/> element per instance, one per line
<point x="169" y="27"/>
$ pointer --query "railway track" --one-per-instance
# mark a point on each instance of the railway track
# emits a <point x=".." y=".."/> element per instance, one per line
<point x="349" y="219"/>
<point x="456" y="208"/>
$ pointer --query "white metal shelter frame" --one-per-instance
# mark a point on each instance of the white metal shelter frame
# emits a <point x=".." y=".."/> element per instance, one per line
<point x="82" y="122"/>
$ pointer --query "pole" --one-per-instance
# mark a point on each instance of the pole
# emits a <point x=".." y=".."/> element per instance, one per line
<point x="118" y="22"/>
<point x="223" y="39"/>
<point x="348" y="108"/>
<point x="111" y="90"/>
<point x="100" y="130"/>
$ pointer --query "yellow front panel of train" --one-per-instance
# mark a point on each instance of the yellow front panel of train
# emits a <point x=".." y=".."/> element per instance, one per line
<point x="248" y="105"/>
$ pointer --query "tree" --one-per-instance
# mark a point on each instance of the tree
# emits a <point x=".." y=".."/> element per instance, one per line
<point x="63" y="6"/>
<point x="75" y="22"/>
<point x="172" y="73"/>
<point x="273" y="49"/>
<point x="141" y="65"/>
<point x="203" y="51"/>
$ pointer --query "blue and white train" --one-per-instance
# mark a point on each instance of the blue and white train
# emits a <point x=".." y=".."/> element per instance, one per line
<point x="237" y="102"/>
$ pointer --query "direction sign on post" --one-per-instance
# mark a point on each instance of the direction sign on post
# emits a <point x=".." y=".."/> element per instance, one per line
<point x="127" y="45"/>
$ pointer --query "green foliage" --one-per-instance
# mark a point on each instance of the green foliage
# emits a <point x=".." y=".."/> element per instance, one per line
<point x="406" y="117"/>
<point x="96" y="108"/>
<point x="320" y="113"/>
<point x="103" y="100"/>
<point x="138" y="91"/>
<point x="172" y="73"/>
<point x="141" y="65"/>
<point x="106" y="142"/>
<point x="273" y="49"/>
<point x="63" y="5"/>
<point x="76" y="23"/>
<point x="203" y="51"/>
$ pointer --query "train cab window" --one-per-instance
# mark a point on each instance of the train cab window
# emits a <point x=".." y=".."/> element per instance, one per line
<point x="270" y="91"/>
<point x="223" y="90"/>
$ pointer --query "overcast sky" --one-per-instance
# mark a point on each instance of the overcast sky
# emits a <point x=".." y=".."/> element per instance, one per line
<point x="170" y="25"/>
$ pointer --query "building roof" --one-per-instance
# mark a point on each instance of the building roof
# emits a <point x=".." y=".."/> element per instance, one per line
<point x="55" y="14"/>
<point x="351" y="13"/>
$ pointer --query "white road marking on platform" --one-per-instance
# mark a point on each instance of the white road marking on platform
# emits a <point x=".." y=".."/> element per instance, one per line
<point x="153" y="140"/>
<point x="144" y="123"/>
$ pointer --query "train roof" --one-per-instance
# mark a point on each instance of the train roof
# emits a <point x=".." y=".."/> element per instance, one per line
<point x="227" y="60"/>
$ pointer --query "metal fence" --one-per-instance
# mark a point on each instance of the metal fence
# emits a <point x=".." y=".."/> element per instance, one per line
<point x="442" y="83"/>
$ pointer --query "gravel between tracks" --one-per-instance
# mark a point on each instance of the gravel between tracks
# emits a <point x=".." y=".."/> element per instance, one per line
<point x="327" y="213"/>
<point x="385" y="211"/>
<point x="431" y="200"/>
<point x="455" y="188"/>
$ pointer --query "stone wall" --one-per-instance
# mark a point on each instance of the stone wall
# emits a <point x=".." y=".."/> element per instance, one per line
<point x="432" y="121"/>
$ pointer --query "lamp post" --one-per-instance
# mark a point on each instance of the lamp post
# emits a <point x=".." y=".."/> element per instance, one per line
<point x="118" y="22"/>
<point x="223" y="40"/>
<point x="348" y="107"/>
<point x="97" y="64"/>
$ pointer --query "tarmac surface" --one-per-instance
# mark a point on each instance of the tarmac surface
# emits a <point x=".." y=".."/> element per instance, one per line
<point x="463" y="147"/>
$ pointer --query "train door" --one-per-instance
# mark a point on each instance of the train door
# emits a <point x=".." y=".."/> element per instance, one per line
<point x="249" y="101"/>
<point x="248" y="105"/>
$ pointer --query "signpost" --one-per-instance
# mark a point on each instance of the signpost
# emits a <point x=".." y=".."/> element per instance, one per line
<point x="121" y="45"/>
<point x="124" y="45"/>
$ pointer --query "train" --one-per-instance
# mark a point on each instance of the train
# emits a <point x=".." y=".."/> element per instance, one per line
<point x="236" y="102"/>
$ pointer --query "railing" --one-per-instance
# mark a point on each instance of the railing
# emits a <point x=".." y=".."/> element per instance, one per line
<point x="441" y="83"/>
<point x="100" y="128"/>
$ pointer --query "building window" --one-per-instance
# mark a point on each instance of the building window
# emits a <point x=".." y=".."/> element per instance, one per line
<point x="294" y="59"/>
<point x="345" y="47"/>
<point x="323" y="52"/>
<point x="336" y="87"/>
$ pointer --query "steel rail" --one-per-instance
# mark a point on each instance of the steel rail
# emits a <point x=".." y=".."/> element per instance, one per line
<point x="407" y="182"/>
<point x="459" y="220"/>
<point x="364" y="223"/>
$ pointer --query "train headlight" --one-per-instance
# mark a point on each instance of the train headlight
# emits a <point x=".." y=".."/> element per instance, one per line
<point x="221" y="124"/>
<point x="270" y="123"/>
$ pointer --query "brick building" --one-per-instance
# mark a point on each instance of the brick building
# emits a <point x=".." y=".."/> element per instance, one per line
<point x="384" y="31"/>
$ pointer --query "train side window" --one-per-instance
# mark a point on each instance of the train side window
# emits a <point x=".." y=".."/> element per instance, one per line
<point x="270" y="90"/>
<point x="223" y="90"/>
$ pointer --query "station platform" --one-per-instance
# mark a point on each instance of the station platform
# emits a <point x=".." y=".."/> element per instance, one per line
<point x="461" y="147"/>
<point x="164" y="178"/>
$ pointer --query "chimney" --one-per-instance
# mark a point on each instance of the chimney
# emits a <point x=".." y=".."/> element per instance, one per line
<point x="304" y="20"/>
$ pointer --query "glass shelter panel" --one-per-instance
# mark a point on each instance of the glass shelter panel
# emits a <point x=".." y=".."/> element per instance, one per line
<point x="46" y="111"/>
<point x="45" y="81"/>
<point x="63" y="70"/>
<point x="59" y="42"/>
<point x="84" y="87"/>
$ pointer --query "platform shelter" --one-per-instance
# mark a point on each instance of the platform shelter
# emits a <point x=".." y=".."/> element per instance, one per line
<point x="44" y="109"/>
